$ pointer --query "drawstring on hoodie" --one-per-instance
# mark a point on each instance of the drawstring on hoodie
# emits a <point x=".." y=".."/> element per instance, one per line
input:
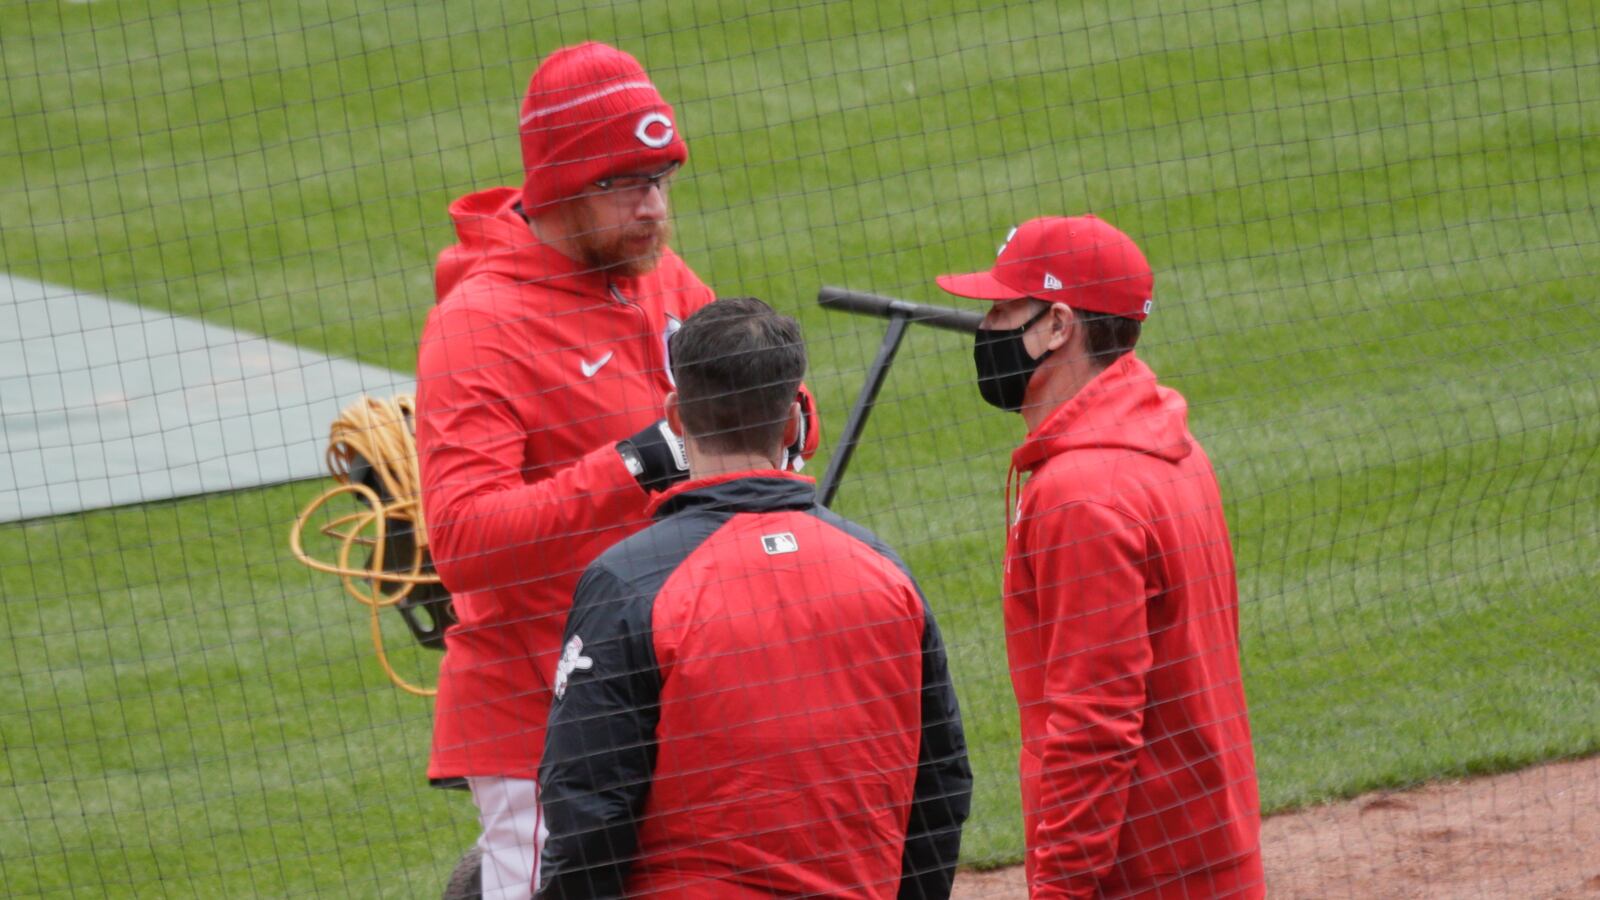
<point x="1123" y="410"/>
<point x="1013" y="478"/>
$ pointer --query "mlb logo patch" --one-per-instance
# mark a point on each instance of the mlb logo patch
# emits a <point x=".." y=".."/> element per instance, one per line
<point x="782" y="542"/>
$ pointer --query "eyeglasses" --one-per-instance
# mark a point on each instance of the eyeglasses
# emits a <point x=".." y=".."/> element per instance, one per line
<point x="633" y="185"/>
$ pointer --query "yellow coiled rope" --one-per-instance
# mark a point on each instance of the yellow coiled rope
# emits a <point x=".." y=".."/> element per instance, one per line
<point x="380" y="432"/>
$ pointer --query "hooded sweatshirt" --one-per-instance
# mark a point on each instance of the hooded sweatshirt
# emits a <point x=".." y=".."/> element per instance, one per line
<point x="531" y="368"/>
<point x="1122" y="629"/>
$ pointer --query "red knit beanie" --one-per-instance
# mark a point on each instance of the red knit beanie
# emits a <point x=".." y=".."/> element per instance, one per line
<point x="591" y="112"/>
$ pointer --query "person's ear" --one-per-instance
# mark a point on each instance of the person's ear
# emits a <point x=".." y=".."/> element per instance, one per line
<point x="1063" y="322"/>
<point x="791" y="428"/>
<point x="674" y="414"/>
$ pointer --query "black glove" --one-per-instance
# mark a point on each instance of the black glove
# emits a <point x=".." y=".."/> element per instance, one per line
<point x="655" y="456"/>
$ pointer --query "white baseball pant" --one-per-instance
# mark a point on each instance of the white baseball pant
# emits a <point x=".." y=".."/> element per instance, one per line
<point x="513" y="835"/>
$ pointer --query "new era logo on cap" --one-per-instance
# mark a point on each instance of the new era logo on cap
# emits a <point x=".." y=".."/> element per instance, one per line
<point x="782" y="542"/>
<point x="1051" y="283"/>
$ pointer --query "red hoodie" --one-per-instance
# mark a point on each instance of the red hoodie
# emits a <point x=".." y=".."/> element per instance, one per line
<point x="1122" y="628"/>
<point x="531" y="369"/>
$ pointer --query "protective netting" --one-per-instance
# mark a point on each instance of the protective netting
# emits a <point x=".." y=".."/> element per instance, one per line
<point x="1373" y="234"/>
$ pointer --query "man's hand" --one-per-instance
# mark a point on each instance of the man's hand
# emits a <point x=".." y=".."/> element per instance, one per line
<point x="655" y="456"/>
<point x="809" y="436"/>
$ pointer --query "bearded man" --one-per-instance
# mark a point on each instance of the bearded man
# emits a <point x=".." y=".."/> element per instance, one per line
<point x="541" y="377"/>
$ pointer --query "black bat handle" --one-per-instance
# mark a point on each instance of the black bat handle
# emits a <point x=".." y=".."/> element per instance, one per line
<point x="900" y="313"/>
<point x="862" y="303"/>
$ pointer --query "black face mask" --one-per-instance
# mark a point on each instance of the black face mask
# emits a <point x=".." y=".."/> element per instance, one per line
<point x="1004" y="366"/>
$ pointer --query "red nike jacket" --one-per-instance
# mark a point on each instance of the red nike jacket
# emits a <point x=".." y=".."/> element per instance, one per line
<point x="1122" y="627"/>
<point x="531" y="369"/>
<point x="753" y="701"/>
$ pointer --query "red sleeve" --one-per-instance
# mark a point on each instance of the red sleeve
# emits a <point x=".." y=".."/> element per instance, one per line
<point x="488" y="528"/>
<point x="1088" y="564"/>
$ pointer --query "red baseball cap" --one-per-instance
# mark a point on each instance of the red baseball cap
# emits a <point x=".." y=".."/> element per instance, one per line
<point x="1081" y="261"/>
<point x="591" y="111"/>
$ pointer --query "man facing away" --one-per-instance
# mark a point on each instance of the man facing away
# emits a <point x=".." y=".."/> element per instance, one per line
<point x="753" y="698"/>
<point x="1121" y="602"/>
<point x="546" y="352"/>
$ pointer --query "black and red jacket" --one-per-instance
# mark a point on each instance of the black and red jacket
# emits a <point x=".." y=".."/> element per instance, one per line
<point x="752" y="700"/>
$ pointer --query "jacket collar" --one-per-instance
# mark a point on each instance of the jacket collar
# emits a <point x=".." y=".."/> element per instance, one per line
<point x="1122" y="408"/>
<point x="494" y="236"/>
<point x="756" y="490"/>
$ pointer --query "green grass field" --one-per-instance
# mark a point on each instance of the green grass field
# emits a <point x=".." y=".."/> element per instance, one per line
<point x="1377" y="257"/>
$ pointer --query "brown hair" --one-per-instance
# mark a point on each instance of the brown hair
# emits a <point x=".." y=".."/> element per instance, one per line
<point x="737" y="364"/>
<point x="1107" y="337"/>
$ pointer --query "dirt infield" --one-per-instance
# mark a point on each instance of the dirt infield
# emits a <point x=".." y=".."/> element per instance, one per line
<point x="1523" y="835"/>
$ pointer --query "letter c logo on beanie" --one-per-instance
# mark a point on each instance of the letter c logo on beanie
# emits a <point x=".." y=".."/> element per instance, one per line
<point x="592" y="112"/>
<point x="654" y="138"/>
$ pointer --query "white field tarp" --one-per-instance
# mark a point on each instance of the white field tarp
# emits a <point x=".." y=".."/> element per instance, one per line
<point x="104" y="403"/>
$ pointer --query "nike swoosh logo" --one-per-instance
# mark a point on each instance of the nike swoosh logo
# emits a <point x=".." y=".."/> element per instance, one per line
<point x="589" y="368"/>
